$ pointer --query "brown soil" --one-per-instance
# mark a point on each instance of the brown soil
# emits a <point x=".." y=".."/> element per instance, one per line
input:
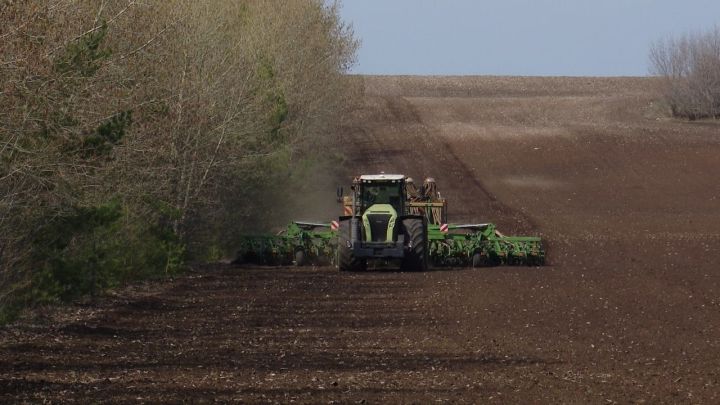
<point x="628" y="310"/>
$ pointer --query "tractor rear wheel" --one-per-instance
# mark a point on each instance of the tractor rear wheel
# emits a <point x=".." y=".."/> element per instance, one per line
<point x="346" y="258"/>
<point x="416" y="255"/>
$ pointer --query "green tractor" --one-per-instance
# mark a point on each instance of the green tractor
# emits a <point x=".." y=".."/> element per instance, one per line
<point x="387" y="218"/>
<point x="379" y="225"/>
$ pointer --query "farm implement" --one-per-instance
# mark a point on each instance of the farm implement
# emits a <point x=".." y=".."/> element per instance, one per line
<point x="481" y="245"/>
<point x="300" y="243"/>
<point x="387" y="218"/>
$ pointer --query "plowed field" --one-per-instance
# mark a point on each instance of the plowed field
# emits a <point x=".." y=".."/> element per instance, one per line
<point x="628" y="309"/>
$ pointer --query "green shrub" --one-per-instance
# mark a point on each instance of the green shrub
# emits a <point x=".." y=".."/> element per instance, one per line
<point x="84" y="56"/>
<point x="91" y="249"/>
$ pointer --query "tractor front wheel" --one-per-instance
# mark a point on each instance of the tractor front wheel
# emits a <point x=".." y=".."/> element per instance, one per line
<point x="346" y="258"/>
<point x="416" y="255"/>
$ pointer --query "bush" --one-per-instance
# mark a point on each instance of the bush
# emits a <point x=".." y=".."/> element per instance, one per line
<point x="90" y="249"/>
<point x="690" y="70"/>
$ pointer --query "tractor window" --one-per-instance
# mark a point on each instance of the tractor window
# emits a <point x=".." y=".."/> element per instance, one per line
<point x="382" y="193"/>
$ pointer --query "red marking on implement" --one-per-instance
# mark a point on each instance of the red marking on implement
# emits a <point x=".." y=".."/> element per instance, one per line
<point x="348" y="210"/>
<point x="334" y="225"/>
<point x="444" y="228"/>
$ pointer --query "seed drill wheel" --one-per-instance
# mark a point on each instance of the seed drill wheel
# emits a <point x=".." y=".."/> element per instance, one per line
<point x="239" y="259"/>
<point x="346" y="259"/>
<point x="478" y="260"/>
<point x="481" y="259"/>
<point x="416" y="256"/>
<point x="299" y="257"/>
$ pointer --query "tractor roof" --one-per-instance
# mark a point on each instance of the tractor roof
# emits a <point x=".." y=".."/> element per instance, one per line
<point x="376" y="177"/>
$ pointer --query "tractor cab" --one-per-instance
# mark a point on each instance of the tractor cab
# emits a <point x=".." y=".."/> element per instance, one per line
<point x="380" y="200"/>
<point x="382" y="192"/>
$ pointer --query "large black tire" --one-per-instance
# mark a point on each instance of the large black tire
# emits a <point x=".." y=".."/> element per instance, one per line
<point x="346" y="259"/>
<point x="416" y="256"/>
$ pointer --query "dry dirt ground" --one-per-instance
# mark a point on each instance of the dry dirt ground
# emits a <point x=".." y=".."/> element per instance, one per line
<point x="628" y="311"/>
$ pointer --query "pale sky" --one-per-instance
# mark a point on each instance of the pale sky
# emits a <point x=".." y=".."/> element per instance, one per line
<point x="518" y="37"/>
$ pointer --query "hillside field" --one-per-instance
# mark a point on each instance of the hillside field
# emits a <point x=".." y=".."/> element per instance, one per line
<point x="627" y="309"/>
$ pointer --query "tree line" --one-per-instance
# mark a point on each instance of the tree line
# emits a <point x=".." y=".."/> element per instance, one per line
<point x="136" y="134"/>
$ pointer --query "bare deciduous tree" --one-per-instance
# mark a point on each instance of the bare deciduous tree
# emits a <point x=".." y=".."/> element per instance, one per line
<point x="690" y="70"/>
